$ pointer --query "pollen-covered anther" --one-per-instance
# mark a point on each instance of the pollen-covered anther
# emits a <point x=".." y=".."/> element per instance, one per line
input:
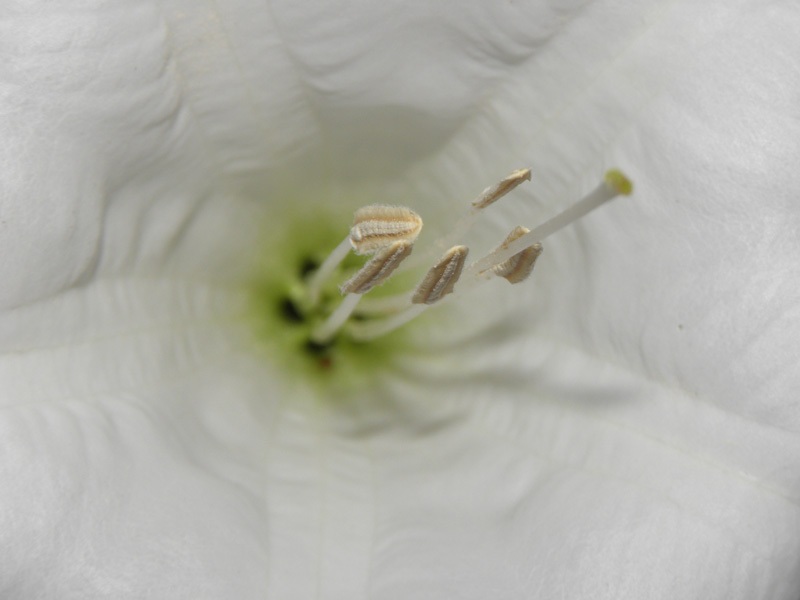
<point x="493" y="193"/>
<point x="442" y="277"/>
<point x="377" y="226"/>
<point x="378" y="269"/>
<point x="519" y="267"/>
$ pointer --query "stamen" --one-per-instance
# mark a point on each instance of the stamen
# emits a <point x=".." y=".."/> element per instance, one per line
<point x="493" y="193"/>
<point x="335" y="321"/>
<point x="615" y="184"/>
<point x="441" y="277"/>
<point x="373" y="228"/>
<point x="519" y="267"/>
<point x="377" y="226"/>
<point x="378" y="269"/>
<point x="363" y="332"/>
<point x="385" y="305"/>
<point x="326" y="269"/>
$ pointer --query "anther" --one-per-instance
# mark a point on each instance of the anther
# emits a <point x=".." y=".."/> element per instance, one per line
<point x="373" y="228"/>
<point x="519" y="267"/>
<point x="442" y="277"/>
<point x="377" y="226"/>
<point x="378" y="269"/>
<point x="493" y="193"/>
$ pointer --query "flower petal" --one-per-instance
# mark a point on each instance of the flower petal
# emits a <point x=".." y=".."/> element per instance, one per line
<point x="128" y="418"/>
<point x="541" y="471"/>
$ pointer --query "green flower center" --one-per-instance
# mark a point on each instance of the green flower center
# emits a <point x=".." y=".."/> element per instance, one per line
<point x="282" y="319"/>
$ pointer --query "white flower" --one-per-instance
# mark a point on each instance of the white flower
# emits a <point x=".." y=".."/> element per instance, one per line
<point x="625" y="425"/>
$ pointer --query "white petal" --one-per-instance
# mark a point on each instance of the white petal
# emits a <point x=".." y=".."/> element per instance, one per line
<point x="127" y="428"/>
<point x="105" y="164"/>
<point x="543" y="471"/>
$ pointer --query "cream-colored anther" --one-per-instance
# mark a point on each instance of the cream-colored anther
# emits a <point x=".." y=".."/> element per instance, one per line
<point x="441" y="277"/>
<point x="378" y="269"/>
<point x="520" y="266"/>
<point x="377" y="226"/>
<point x="493" y="193"/>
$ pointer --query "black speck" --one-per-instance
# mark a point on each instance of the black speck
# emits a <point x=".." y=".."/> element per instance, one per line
<point x="289" y="312"/>
<point x="317" y="349"/>
<point x="307" y="266"/>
